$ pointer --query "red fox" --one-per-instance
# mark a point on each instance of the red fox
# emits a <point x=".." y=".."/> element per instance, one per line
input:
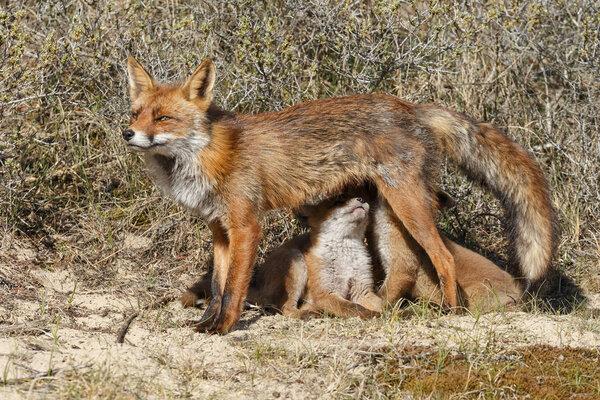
<point x="320" y="269"/>
<point x="327" y="270"/>
<point x="230" y="168"/>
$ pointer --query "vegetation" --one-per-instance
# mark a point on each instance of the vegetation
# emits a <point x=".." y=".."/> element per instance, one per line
<point x="73" y="196"/>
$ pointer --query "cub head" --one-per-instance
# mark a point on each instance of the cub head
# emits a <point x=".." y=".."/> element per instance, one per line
<point x="169" y="118"/>
<point x="343" y="217"/>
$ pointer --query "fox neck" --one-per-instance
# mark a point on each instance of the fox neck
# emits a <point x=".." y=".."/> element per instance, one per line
<point x="194" y="176"/>
<point x="183" y="179"/>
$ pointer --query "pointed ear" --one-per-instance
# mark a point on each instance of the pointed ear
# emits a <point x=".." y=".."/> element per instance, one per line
<point x="139" y="80"/>
<point x="200" y="85"/>
<point x="304" y="212"/>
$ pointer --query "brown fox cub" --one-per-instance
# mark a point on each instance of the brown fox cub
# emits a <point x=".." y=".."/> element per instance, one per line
<point x="231" y="168"/>
<point x="408" y="272"/>
<point x="326" y="270"/>
<point x="319" y="268"/>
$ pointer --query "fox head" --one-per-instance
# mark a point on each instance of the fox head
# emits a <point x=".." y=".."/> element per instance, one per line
<point x="343" y="218"/>
<point x="166" y="118"/>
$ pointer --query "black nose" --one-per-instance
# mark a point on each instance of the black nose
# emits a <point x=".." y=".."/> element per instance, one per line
<point x="360" y="200"/>
<point x="128" y="134"/>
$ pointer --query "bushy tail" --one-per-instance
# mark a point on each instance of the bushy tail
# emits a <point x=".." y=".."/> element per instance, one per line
<point x="488" y="156"/>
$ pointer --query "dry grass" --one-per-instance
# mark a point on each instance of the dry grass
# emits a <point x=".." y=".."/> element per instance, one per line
<point x="63" y="345"/>
<point x="72" y="199"/>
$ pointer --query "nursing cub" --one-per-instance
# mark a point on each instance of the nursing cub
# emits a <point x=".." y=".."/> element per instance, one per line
<point x="331" y="270"/>
<point x="327" y="270"/>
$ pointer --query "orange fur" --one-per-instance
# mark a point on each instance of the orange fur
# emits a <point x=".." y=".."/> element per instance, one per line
<point x="218" y="156"/>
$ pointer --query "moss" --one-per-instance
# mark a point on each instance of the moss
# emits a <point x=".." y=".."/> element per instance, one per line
<point x="540" y="372"/>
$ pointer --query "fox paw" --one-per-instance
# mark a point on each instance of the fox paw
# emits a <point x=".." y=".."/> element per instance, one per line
<point x="188" y="299"/>
<point x="306" y="315"/>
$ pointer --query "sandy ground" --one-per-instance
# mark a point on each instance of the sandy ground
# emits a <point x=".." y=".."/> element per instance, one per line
<point x="57" y="342"/>
<point x="58" y="339"/>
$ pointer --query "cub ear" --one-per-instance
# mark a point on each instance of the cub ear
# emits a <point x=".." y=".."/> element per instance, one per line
<point x="445" y="201"/>
<point x="139" y="80"/>
<point x="199" y="86"/>
<point x="303" y="213"/>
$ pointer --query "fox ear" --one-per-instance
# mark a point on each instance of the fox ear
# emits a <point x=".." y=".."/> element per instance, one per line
<point x="304" y="212"/>
<point x="139" y="80"/>
<point x="445" y="201"/>
<point x="200" y="85"/>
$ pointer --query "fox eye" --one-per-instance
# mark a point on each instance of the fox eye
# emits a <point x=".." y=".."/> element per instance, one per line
<point x="134" y="115"/>
<point x="163" y="118"/>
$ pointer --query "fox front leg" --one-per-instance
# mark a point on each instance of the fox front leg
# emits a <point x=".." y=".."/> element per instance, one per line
<point x="226" y="306"/>
<point x="221" y="244"/>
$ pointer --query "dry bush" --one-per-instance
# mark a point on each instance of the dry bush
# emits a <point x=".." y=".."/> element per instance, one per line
<point x="68" y="184"/>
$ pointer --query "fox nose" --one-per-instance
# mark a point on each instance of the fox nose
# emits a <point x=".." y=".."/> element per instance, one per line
<point x="360" y="200"/>
<point x="128" y="134"/>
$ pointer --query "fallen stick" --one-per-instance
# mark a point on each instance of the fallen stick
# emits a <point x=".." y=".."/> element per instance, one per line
<point x="25" y="328"/>
<point x="46" y="374"/>
<point x="14" y="327"/>
<point x="158" y="303"/>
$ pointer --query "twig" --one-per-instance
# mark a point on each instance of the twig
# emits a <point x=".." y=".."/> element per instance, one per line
<point x="543" y="147"/>
<point x="38" y="375"/>
<point x="158" y="303"/>
<point x="23" y="327"/>
<point x="39" y="96"/>
<point x="14" y="327"/>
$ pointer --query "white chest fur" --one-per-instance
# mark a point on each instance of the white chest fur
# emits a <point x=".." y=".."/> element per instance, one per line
<point x="184" y="181"/>
<point x="346" y="262"/>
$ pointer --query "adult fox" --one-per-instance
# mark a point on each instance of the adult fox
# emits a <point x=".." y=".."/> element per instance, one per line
<point x="230" y="168"/>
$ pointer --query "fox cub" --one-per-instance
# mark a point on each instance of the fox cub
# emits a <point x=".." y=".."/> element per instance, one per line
<point x="408" y="272"/>
<point x="330" y="270"/>
<point x="327" y="270"/>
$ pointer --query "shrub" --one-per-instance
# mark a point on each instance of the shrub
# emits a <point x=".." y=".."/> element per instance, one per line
<point x="530" y="67"/>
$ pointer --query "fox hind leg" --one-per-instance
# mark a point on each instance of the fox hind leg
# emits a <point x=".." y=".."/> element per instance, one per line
<point x="409" y="200"/>
<point x="362" y="293"/>
<point x="371" y="302"/>
<point x="334" y="304"/>
<point x="305" y="312"/>
<point x="397" y="284"/>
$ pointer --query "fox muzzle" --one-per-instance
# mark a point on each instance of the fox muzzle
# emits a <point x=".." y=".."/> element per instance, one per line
<point x="128" y="134"/>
